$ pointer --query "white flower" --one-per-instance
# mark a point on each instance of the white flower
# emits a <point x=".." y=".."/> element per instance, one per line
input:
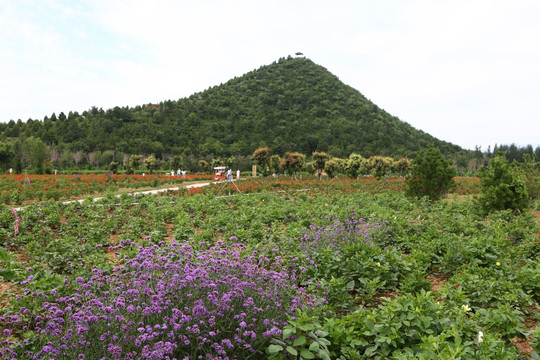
<point x="480" y="337"/>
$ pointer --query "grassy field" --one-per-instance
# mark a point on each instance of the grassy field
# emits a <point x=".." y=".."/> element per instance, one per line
<point x="270" y="268"/>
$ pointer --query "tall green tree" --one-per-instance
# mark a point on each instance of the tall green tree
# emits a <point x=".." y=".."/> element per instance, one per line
<point x="37" y="153"/>
<point x="7" y="153"/>
<point x="378" y="166"/>
<point x="431" y="174"/>
<point x="402" y="166"/>
<point x="203" y="164"/>
<point x="275" y="161"/>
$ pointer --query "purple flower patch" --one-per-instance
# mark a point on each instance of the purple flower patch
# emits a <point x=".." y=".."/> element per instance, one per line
<point x="171" y="301"/>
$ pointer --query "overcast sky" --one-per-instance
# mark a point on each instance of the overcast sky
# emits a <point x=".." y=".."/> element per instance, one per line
<point x="465" y="71"/>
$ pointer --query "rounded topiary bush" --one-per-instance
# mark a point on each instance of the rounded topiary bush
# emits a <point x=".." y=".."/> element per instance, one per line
<point x="332" y="168"/>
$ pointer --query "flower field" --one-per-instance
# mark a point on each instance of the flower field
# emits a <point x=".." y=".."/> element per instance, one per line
<point x="276" y="269"/>
<point x="19" y="189"/>
<point x="463" y="185"/>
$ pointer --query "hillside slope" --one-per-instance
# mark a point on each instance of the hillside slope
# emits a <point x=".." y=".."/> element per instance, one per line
<point x="290" y="105"/>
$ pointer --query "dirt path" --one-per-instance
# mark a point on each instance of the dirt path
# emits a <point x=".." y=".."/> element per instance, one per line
<point x="146" y="192"/>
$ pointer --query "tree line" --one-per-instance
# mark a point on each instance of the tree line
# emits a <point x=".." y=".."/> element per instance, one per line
<point x="34" y="155"/>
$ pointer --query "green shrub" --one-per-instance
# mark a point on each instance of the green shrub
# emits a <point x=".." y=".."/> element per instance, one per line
<point x="431" y="175"/>
<point x="331" y="168"/>
<point x="397" y="324"/>
<point x="402" y="166"/>
<point x="355" y="166"/>
<point x="379" y="166"/>
<point x="536" y="341"/>
<point x="302" y="338"/>
<point x="502" y="186"/>
<point x="504" y="319"/>
<point x="422" y="327"/>
<point x="319" y="161"/>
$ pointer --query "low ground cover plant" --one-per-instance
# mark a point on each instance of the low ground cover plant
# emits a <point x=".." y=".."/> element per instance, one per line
<point x="373" y="274"/>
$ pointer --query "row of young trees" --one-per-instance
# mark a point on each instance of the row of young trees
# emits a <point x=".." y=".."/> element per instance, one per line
<point x="33" y="155"/>
<point x="321" y="162"/>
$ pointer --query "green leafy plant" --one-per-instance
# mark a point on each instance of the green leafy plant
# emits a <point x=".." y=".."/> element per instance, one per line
<point x="483" y="287"/>
<point x="368" y="250"/>
<point x="397" y="325"/>
<point x="536" y="343"/>
<point x="338" y="292"/>
<point x="302" y="338"/>
<point x="506" y="320"/>
<point x="5" y="271"/>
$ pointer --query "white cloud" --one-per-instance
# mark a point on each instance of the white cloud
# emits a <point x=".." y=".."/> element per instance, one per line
<point x="464" y="71"/>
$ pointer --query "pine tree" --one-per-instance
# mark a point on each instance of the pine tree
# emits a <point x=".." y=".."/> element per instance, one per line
<point x="502" y="186"/>
<point x="431" y="174"/>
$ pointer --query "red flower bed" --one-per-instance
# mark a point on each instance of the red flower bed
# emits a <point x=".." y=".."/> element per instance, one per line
<point x="15" y="189"/>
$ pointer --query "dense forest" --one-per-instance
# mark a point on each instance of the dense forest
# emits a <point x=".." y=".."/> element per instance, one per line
<point x="290" y="105"/>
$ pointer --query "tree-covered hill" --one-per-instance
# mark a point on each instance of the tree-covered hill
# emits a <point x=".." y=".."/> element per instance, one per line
<point x="290" y="105"/>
